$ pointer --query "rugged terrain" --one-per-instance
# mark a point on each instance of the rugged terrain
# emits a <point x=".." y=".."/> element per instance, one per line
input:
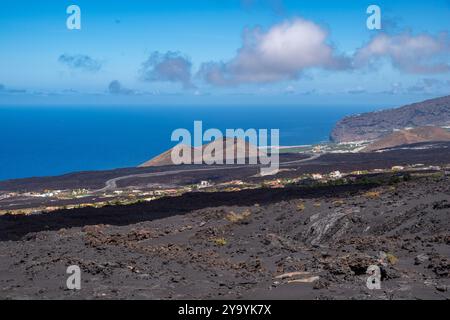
<point x="301" y="234"/>
<point x="293" y="243"/>
<point x="374" y="125"/>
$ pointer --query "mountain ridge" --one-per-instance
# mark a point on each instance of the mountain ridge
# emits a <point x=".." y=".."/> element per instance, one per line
<point x="375" y="125"/>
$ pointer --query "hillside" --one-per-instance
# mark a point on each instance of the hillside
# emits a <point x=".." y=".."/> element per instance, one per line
<point x="163" y="159"/>
<point x="239" y="147"/>
<point x="416" y="135"/>
<point x="267" y="243"/>
<point x="374" y="125"/>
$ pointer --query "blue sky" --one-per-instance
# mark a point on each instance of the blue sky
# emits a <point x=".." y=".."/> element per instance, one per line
<point x="223" y="52"/>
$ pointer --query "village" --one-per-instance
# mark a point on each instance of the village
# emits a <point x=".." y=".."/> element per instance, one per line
<point x="32" y="203"/>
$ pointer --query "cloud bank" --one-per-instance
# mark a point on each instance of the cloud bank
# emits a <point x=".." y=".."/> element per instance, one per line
<point x="5" y="90"/>
<point x="169" y="67"/>
<point x="115" y="87"/>
<point x="430" y="86"/>
<point x="281" y="53"/>
<point x="80" y="62"/>
<point x="421" y="54"/>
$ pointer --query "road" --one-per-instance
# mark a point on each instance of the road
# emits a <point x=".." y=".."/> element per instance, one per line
<point x="111" y="184"/>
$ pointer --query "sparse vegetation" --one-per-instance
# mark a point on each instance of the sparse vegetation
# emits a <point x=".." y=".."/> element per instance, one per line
<point x="438" y="175"/>
<point x="372" y="194"/>
<point x="301" y="206"/>
<point x="338" y="203"/>
<point x="392" y="259"/>
<point x="220" y="241"/>
<point x="238" y="217"/>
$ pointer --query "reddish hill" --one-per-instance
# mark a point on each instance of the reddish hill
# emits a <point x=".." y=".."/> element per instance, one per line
<point x="416" y="135"/>
<point x="164" y="159"/>
<point x="225" y="144"/>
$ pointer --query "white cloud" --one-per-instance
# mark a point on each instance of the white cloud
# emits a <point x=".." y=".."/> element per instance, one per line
<point x="281" y="53"/>
<point x="419" y="54"/>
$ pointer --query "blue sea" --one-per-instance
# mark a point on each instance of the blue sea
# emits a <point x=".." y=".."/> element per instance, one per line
<point x="47" y="141"/>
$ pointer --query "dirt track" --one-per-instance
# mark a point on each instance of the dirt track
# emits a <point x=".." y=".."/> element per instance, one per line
<point x="440" y="154"/>
<point x="111" y="184"/>
<point x="236" y="245"/>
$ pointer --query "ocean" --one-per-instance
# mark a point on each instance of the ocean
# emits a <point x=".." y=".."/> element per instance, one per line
<point x="47" y="141"/>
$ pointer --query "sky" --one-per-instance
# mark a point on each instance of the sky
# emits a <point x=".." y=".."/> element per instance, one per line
<point x="223" y="52"/>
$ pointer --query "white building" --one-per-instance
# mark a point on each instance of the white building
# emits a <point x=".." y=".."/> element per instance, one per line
<point x="203" y="184"/>
<point x="336" y="175"/>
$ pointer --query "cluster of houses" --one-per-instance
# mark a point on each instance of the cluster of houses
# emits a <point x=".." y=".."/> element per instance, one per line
<point x="128" y="196"/>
